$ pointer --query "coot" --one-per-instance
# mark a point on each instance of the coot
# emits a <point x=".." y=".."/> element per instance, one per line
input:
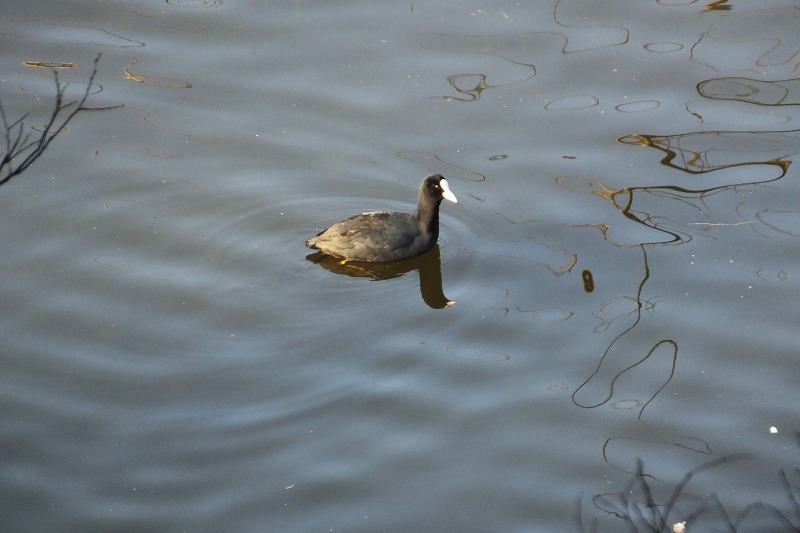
<point x="388" y="236"/>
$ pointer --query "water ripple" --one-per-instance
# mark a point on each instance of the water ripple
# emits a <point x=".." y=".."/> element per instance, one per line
<point x="552" y="315"/>
<point x="663" y="47"/>
<point x="786" y="222"/>
<point x="758" y="92"/>
<point x="750" y="46"/>
<point x="596" y="36"/>
<point x="638" y="107"/>
<point x="571" y="102"/>
<point x="433" y="163"/>
<point x="195" y="3"/>
<point x="49" y="32"/>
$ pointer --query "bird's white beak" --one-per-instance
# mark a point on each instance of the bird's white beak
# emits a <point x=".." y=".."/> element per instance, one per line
<point x="446" y="192"/>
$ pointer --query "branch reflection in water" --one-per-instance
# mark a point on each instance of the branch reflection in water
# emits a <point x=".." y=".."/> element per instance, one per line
<point x="21" y="148"/>
<point x="671" y="356"/>
<point x="696" y="154"/>
<point x="428" y="264"/>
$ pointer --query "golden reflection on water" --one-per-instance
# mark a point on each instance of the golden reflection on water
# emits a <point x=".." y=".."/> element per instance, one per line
<point x="719" y="5"/>
<point x="48" y="64"/>
<point x="429" y="266"/>
<point x="695" y="153"/>
<point x="708" y="151"/>
<point x="154" y="80"/>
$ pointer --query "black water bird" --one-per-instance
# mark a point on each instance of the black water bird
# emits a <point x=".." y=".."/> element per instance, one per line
<point x="381" y="236"/>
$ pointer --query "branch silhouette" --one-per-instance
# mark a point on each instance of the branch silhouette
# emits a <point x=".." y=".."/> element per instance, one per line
<point x="21" y="148"/>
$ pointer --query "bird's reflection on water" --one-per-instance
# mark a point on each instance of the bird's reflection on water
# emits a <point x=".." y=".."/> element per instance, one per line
<point x="428" y="264"/>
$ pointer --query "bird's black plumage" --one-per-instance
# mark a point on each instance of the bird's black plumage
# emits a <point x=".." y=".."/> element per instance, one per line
<point x="388" y="236"/>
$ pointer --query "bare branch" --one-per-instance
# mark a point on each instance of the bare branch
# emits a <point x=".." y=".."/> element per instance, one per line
<point x="22" y="146"/>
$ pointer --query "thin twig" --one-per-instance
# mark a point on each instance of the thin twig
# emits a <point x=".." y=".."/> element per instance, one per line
<point x="22" y="146"/>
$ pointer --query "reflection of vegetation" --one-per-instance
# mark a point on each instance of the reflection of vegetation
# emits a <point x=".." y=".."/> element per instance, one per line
<point x="643" y="507"/>
<point x="622" y="200"/>
<point x="758" y="92"/>
<point x="671" y="344"/>
<point x="472" y="94"/>
<point x="684" y="443"/>
<point x="23" y="148"/>
<point x="696" y="154"/>
<point x="154" y="80"/>
<point x="719" y="5"/>
<point x="709" y="151"/>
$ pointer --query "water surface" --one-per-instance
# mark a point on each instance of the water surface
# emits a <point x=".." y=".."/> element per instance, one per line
<point x="618" y="282"/>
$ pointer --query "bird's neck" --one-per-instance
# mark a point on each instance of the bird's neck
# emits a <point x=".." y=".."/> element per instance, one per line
<point x="428" y="219"/>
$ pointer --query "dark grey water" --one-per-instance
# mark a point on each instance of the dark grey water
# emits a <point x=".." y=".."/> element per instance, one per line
<point x="622" y="268"/>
